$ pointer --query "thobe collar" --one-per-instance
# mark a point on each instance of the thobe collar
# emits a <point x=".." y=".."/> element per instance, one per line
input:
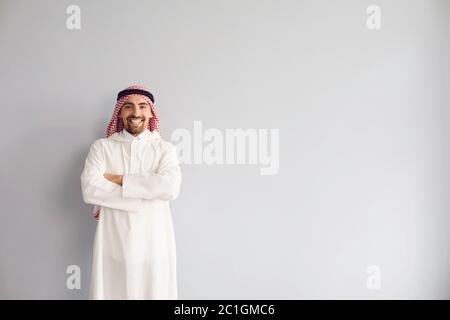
<point x="141" y="136"/>
<point x="125" y="136"/>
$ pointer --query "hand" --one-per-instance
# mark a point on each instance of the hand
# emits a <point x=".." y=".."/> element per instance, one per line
<point x="116" y="178"/>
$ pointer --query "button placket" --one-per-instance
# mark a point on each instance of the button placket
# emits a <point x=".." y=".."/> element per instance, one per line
<point x="132" y="156"/>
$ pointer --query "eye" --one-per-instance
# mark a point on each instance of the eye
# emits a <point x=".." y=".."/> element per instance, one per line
<point x="143" y="106"/>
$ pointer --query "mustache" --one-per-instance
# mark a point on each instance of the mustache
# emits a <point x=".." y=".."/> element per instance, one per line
<point x="132" y="118"/>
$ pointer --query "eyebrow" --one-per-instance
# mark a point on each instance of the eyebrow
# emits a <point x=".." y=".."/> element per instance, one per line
<point x="133" y="103"/>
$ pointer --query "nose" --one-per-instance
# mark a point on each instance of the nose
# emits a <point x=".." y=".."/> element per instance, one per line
<point x="136" y="113"/>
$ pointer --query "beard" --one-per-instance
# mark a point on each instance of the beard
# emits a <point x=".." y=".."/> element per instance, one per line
<point x="135" y="127"/>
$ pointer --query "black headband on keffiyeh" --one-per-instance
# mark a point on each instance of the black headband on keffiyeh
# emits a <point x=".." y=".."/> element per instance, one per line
<point x="127" y="92"/>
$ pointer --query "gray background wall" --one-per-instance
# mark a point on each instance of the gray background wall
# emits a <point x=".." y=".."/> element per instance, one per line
<point x="364" y="159"/>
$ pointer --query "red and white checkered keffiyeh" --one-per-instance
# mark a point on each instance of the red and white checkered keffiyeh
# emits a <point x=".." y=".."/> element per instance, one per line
<point x="116" y="124"/>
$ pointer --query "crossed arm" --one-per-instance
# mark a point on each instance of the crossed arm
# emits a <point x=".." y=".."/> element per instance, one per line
<point x="126" y="192"/>
<point x="115" y="178"/>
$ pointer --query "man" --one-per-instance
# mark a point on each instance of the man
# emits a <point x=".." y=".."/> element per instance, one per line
<point x="130" y="176"/>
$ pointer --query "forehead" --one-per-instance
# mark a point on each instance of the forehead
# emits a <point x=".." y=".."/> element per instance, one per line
<point x="135" y="99"/>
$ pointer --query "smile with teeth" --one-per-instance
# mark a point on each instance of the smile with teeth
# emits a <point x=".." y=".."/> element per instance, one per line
<point x="135" y="121"/>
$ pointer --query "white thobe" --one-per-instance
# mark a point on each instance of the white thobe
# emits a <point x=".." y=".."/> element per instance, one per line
<point x="134" y="254"/>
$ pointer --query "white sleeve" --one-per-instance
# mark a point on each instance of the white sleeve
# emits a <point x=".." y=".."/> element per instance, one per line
<point x="164" y="184"/>
<point x="98" y="190"/>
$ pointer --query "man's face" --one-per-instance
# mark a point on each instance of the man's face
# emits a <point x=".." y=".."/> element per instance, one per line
<point x="135" y="114"/>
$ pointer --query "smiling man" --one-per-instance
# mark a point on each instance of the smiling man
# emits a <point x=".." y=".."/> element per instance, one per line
<point x="131" y="176"/>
